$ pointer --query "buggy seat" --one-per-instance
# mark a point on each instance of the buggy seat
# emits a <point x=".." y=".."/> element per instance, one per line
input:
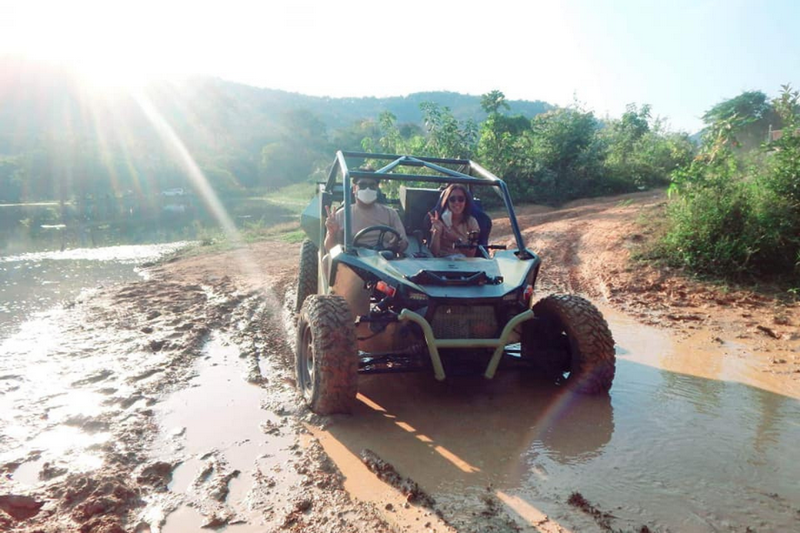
<point x="417" y="203"/>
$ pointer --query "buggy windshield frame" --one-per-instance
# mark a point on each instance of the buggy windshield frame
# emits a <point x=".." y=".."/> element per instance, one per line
<point x="468" y="173"/>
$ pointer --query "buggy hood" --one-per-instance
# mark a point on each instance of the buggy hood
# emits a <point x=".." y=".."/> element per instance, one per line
<point x="457" y="277"/>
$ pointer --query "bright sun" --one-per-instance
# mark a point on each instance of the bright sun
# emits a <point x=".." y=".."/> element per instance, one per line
<point x="109" y="71"/>
<point x="110" y="45"/>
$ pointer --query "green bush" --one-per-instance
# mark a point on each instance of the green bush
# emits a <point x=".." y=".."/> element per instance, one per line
<point x="737" y="229"/>
<point x="557" y="159"/>
<point x="735" y="213"/>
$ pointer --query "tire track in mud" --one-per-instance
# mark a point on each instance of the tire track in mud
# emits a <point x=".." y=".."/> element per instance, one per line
<point x="566" y="240"/>
<point x="563" y="267"/>
<point x="135" y="345"/>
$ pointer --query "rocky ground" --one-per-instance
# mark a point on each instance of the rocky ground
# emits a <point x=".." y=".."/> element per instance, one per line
<point x="128" y="348"/>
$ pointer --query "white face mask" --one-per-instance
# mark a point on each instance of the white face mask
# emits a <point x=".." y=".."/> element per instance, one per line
<point x="367" y="196"/>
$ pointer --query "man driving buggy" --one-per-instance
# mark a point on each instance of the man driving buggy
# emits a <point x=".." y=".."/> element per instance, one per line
<point x="366" y="212"/>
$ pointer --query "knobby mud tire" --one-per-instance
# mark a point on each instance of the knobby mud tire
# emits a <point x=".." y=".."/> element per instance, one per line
<point x="326" y="358"/>
<point x="577" y="325"/>
<point x="307" y="274"/>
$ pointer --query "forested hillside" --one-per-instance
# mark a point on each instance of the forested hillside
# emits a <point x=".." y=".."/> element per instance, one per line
<point x="60" y="138"/>
<point x="734" y="205"/>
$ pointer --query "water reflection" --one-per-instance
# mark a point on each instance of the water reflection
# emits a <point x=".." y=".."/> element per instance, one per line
<point x="471" y="431"/>
<point x="686" y="452"/>
<point x="665" y="449"/>
<point x="573" y="430"/>
<point x="34" y="282"/>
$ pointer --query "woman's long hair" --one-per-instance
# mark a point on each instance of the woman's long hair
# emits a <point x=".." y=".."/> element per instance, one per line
<point x="446" y="199"/>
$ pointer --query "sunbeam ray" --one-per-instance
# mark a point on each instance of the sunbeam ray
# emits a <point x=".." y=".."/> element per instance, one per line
<point x="199" y="182"/>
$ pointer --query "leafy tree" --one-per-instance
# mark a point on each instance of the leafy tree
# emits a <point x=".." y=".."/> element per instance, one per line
<point x="640" y="153"/>
<point x="785" y="167"/>
<point x="446" y="136"/>
<point x="409" y="130"/>
<point x="492" y="101"/>
<point x="564" y="155"/>
<point x="392" y="138"/>
<point x="499" y="145"/>
<point x="743" y="121"/>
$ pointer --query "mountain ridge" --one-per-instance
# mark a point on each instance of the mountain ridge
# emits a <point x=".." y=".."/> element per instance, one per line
<point x="58" y="133"/>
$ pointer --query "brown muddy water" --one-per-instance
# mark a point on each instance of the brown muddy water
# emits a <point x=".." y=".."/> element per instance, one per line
<point x="692" y="438"/>
<point x="40" y="364"/>
<point x="214" y="430"/>
<point x="701" y="447"/>
<point x="669" y="449"/>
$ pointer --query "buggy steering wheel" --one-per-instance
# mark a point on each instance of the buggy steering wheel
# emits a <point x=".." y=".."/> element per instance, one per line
<point x="383" y="230"/>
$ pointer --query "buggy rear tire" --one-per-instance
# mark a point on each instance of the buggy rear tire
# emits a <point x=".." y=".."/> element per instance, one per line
<point x="308" y="273"/>
<point x="571" y="336"/>
<point x="326" y="358"/>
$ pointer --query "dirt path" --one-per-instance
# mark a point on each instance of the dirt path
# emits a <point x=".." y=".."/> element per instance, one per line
<point x="588" y="246"/>
<point x="175" y="398"/>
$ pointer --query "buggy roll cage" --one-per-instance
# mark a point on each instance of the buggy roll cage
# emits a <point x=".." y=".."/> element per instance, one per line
<point x="445" y="176"/>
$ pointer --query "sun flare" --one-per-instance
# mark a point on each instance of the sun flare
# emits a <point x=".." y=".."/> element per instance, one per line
<point x="108" y="45"/>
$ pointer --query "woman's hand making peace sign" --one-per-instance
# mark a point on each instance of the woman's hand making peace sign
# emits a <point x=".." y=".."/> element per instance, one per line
<point x="437" y="225"/>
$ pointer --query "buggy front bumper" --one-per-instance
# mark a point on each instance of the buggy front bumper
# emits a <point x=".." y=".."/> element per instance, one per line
<point x="434" y="344"/>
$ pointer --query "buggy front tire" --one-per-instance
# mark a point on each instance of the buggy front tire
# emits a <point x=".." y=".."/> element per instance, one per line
<point x="326" y="358"/>
<point x="572" y="337"/>
<point x="307" y="274"/>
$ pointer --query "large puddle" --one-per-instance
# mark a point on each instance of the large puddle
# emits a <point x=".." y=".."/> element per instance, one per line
<point x="694" y="437"/>
<point x="708" y="448"/>
<point x="60" y="378"/>
<point x="226" y="445"/>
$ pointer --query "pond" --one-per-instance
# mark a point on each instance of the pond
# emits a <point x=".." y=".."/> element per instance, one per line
<point x="34" y="282"/>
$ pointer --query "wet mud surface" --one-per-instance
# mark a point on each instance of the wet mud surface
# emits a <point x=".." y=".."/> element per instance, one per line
<point x="169" y="405"/>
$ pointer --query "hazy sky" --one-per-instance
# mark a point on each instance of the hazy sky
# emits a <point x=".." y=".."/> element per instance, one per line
<point x="680" y="56"/>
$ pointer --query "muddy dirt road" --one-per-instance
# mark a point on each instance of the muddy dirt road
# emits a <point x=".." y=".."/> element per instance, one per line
<point x="169" y="405"/>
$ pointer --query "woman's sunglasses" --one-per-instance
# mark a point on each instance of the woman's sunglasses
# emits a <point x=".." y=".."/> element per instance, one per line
<point x="459" y="199"/>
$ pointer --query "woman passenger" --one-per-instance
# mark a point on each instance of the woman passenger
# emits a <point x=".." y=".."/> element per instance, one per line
<point x="455" y="225"/>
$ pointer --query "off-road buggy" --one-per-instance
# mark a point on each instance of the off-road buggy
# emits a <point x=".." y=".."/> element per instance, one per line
<point x="367" y="309"/>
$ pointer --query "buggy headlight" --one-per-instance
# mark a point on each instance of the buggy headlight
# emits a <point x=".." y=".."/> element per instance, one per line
<point x="512" y="296"/>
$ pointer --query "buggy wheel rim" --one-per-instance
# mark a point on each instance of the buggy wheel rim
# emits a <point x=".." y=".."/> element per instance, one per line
<point x="307" y="364"/>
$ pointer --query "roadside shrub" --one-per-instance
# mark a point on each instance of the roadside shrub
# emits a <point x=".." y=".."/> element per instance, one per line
<point x="557" y="156"/>
<point x="735" y="230"/>
<point x="559" y="159"/>
<point x="733" y="214"/>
